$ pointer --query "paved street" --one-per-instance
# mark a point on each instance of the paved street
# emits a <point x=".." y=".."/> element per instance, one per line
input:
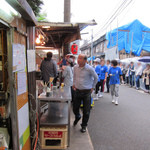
<point x="122" y="127"/>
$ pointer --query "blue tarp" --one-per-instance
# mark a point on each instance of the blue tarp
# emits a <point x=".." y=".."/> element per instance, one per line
<point x="132" y="39"/>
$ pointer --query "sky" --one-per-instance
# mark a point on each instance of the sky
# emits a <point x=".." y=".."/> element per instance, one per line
<point x="100" y="10"/>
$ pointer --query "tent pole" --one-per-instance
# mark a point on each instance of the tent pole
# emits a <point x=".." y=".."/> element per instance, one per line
<point x="92" y="47"/>
<point x="131" y="45"/>
<point x="117" y="39"/>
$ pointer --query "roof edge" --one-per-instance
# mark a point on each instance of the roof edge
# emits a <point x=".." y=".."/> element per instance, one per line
<point x="25" y="10"/>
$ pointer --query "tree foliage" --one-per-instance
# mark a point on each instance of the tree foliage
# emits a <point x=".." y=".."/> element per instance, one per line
<point x="42" y="17"/>
<point x="36" y="6"/>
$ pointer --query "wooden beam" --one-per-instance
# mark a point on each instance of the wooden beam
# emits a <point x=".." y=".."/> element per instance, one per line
<point x="52" y="40"/>
<point x="146" y="31"/>
<point x="60" y="32"/>
<point x="4" y="60"/>
<point x="123" y="30"/>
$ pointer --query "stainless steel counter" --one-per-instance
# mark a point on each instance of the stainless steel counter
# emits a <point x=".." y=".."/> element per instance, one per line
<point x="61" y="94"/>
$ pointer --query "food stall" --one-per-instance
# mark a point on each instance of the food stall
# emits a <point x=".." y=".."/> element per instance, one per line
<point x="15" y="22"/>
<point x="54" y="107"/>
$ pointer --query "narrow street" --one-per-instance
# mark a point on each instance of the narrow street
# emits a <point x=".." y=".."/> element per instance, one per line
<point x="122" y="127"/>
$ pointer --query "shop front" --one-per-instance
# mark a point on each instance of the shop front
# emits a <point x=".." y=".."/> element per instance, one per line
<point x="15" y="20"/>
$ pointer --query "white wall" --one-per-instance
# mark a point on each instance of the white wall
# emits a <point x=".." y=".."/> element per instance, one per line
<point x="111" y="53"/>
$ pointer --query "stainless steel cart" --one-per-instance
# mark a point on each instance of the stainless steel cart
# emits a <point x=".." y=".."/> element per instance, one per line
<point x="55" y="109"/>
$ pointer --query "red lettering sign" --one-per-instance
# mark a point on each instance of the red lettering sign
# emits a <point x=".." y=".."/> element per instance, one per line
<point x="53" y="134"/>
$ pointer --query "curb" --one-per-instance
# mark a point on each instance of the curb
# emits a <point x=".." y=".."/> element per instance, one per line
<point x="90" y="141"/>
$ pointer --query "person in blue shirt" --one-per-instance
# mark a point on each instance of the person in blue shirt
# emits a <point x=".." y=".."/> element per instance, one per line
<point x="97" y="70"/>
<point x="102" y="76"/>
<point x="115" y="73"/>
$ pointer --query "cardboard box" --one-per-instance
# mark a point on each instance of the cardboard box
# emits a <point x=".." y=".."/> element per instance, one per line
<point x="54" y="137"/>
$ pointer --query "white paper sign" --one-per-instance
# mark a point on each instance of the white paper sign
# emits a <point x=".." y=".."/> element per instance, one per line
<point x="19" y="58"/>
<point x="22" y="82"/>
<point x="23" y="119"/>
<point x="31" y="60"/>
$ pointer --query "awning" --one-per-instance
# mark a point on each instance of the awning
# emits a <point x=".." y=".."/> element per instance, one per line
<point x="58" y="34"/>
<point x="62" y="33"/>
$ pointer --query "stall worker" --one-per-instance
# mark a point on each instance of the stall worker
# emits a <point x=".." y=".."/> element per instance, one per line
<point x="48" y="68"/>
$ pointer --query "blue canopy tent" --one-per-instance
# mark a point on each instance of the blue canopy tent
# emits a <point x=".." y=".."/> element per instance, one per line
<point x="133" y="37"/>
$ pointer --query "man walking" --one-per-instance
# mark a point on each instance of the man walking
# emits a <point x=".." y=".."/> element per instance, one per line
<point x="85" y="79"/>
<point x="115" y="73"/>
<point x="107" y="81"/>
<point x="131" y="74"/>
<point x="103" y="76"/>
<point x="97" y="70"/>
<point x="48" y="68"/>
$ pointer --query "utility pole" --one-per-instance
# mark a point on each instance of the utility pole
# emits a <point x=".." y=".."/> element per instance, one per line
<point x="92" y="47"/>
<point x="67" y="5"/>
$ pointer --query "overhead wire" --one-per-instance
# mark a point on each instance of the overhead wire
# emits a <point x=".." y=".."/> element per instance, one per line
<point x="120" y="6"/>
<point x="108" y="21"/>
<point x="116" y="8"/>
<point x="127" y="11"/>
<point x="114" y="17"/>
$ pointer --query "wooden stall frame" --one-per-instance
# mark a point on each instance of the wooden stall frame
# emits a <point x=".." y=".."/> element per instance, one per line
<point x="13" y="102"/>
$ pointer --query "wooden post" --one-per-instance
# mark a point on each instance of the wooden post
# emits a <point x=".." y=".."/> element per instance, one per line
<point x="131" y="44"/>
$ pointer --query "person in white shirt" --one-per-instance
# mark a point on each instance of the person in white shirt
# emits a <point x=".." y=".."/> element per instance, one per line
<point x="138" y="74"/>
<point x="67" y="74"/>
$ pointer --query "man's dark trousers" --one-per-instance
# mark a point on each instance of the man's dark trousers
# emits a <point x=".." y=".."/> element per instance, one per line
<point x="107" y="84"/>
<point x="85" y="96"/>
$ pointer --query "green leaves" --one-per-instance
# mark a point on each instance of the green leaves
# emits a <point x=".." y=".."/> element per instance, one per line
<point x="36" y="6"/>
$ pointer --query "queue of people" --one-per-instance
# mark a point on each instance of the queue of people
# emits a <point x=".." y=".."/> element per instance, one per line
<point x="132" y="75"/>
<point x="84" y="79"/>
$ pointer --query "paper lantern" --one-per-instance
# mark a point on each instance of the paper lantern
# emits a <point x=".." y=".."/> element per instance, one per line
<point x="74" y="48"/>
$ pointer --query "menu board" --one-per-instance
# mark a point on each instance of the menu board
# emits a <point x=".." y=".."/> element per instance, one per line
<point x="31" y="60"/>
<point x="19" y="58"/>
<point x="22" y="82"/>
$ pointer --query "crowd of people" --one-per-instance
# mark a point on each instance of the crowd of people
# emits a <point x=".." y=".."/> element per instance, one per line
<point x="132" y="73"/>
<point x="84" y="79"/>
